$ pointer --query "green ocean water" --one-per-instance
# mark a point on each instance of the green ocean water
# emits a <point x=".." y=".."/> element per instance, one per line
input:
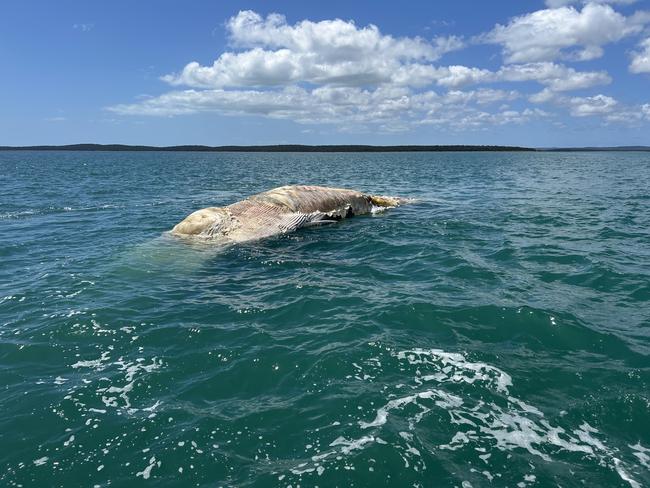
<point x="496" y="332"/>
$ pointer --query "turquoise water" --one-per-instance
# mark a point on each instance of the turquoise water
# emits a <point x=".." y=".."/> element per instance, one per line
<point x="494" y="333"/>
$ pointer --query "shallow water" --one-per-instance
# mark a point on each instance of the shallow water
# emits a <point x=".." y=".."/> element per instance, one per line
<point x="494" y="333"/>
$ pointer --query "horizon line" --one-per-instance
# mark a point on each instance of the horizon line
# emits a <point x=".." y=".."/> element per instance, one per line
<point x="314" y="148"/>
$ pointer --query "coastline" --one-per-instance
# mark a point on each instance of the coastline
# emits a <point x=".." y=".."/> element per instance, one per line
<point x="300" y="148"/>
<point x="266" y="148"/>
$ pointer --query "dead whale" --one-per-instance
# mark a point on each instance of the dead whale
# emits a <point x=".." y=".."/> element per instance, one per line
<point x="279" y="211"/>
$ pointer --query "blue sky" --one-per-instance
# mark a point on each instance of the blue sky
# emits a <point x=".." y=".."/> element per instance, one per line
<point x="536" y="73"/>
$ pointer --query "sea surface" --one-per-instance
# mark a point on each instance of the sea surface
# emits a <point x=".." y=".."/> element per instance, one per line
<point x="495" y="332"/>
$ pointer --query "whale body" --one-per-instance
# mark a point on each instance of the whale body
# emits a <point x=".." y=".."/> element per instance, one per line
<point x="280" y="211"/>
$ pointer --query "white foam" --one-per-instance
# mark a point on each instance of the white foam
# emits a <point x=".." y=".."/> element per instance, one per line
<point x="382" y="413"/>
<point x="152" y="407"/>
<point x="320" y="457"/>
<point x="458" y="441"/>
<point x="351" y="445"/>
<point x="462" y="369"/>
<point x="624" y="475"/>
<point x="97" y="364"/>
<point x="41" y="461"/>
<point x="146" y="472"/>
<point x="641" y="453"/>
<point x="111" y="395"/>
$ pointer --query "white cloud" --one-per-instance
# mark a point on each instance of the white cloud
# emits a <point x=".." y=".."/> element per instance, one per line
<point x="564" y="33"/>
<point x="555" y="77"/>
<point x="480" y="120"/>
<point x="456" y="76"/>
<point x="579" y="106"/>
<point x="543" y="96"/>
<point x="387" y="108"/>
<point x="331" y="39"/>
<point x="632" y="116"/>
<point x="327" y="52"/>
<point x="483" y="96"/>
<point x="596" y="105"/>
<point x="645" y="109"/>
<point x="83" y="27"/>
<point x="562" y="3"/>
<point x="641" y="59"/>
<point x="608" y="109"/>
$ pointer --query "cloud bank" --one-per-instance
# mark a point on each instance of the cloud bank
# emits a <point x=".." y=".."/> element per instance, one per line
<point x="335" y="72"/>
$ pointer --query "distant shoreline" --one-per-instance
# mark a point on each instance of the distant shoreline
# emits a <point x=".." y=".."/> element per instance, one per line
<point x="318" y="148"/>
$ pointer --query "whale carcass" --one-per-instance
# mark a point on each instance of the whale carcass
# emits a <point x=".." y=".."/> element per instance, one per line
<point x="279" y="211"/>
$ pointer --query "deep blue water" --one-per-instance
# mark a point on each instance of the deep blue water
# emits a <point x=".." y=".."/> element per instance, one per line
<point x="496" y="332"/>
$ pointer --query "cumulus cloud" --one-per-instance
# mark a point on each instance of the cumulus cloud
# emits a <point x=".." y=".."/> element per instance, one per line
<point x="596" y="105"/>
<point x="607" y="108"/>
<point x="641" y="58"/>
<point x="327" y="52"/>
<point x="564" y="33"/>
<point x="333" y="39"/>
<point x="555" y="76"/>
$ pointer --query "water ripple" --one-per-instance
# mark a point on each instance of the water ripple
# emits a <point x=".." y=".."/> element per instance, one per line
<point x="495" y="331"/>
